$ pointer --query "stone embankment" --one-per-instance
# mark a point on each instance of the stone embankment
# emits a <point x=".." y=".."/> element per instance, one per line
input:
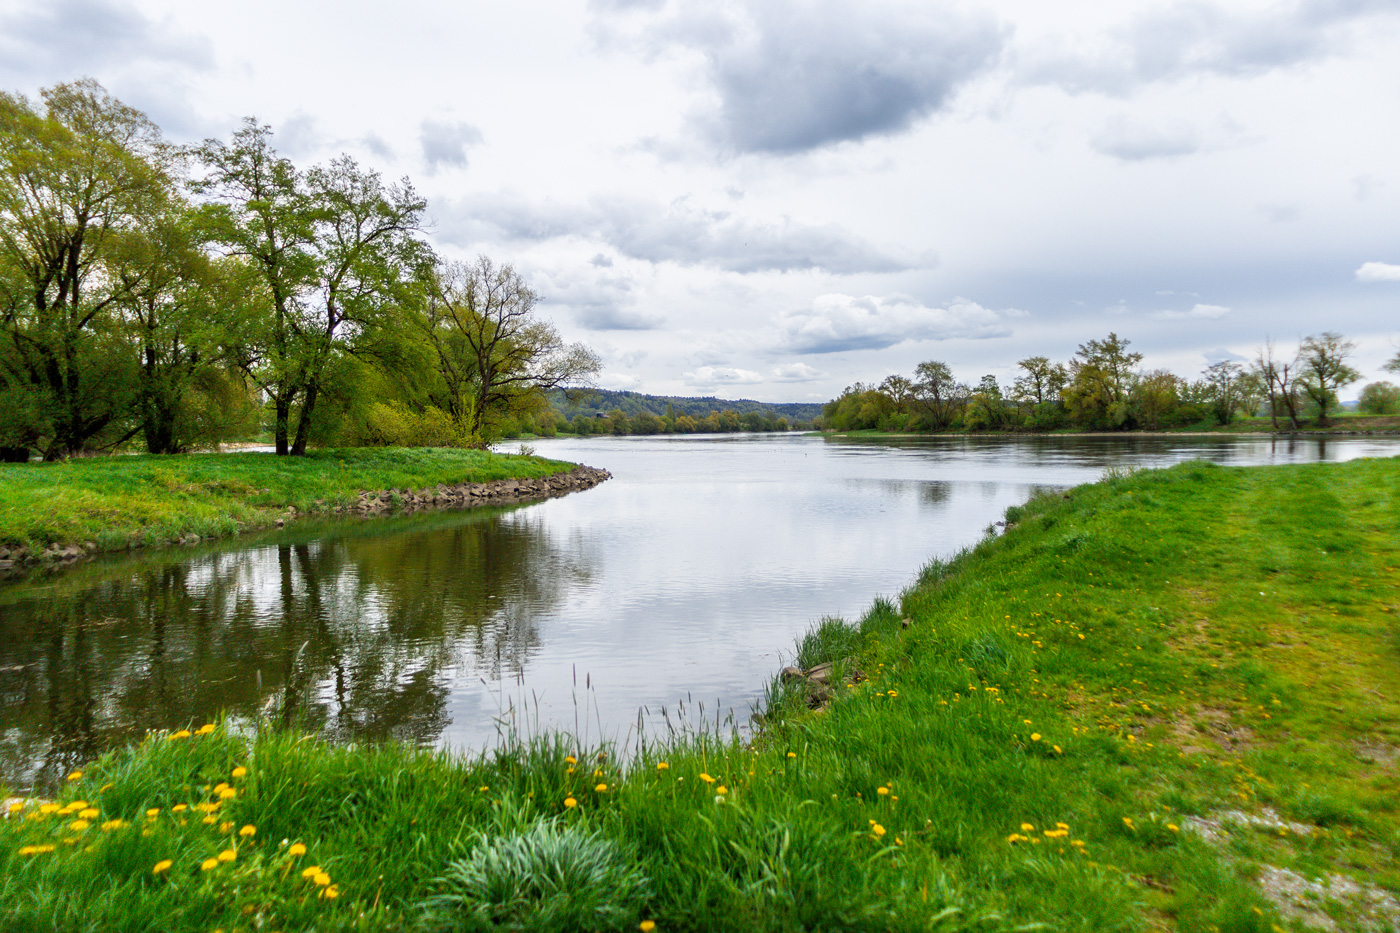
<point x="380" y="502"/>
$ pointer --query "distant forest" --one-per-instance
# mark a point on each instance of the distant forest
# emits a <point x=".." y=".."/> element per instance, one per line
<point x="603" y="401"/>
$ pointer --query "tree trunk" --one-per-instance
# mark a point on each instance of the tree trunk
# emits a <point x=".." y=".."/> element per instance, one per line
<point x="304" y="422"/>
<point x="281" y="407"/>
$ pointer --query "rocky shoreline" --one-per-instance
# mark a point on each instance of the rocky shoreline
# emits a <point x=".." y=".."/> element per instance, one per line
<point x="369" y="503"/>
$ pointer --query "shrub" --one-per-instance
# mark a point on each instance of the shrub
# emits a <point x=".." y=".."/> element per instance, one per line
<point x="1380" y="398"/>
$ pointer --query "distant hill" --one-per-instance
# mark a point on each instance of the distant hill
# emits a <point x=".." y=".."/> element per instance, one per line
<point x="633" y="403"/>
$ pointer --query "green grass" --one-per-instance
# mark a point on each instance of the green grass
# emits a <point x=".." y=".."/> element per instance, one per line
<point x="145" y="500"/>
<point x="1163" y="650"/>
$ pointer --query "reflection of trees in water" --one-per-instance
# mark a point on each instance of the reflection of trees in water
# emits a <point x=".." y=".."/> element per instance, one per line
<point x="359" y="635"/>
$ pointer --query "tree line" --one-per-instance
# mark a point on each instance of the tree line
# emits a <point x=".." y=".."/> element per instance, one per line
<point x="179" y="296"/>
<point x="1101" y="388"/>
<point x="550" y="423"/>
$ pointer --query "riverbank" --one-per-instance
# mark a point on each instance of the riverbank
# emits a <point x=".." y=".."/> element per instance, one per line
<point x="64" y="511"/>
<point x="1164" y="701"/>
<point x="1343" y="426"/>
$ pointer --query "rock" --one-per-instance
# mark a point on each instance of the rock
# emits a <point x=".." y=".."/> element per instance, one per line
<point x="905" y="623"/>
<point x="821" y="673"/>
<point x="791" y="675"/>
<point x="6" y="563"/>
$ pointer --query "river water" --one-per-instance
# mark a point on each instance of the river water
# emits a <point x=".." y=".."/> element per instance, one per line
<point x="670" y="594"/>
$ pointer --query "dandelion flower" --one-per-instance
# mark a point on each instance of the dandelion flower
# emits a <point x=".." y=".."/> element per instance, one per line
<point x="331" y="892"/>
<point x="882" y="791"/>
<point x="239" y="772"/>
<point x="321" y="878"/>
<point x="570" y="760"/>
<point x="79" y="825"/>
<point x="163" y="865"/>
<point x="646" y="926"/>
<point x="182" y="734"/>
<point x="227" y="793"/>
<point x="75" y="776"/>
<point x="209" y="864"/>
<point x="205" y="729"/>
<point x="311" y="872"/>
<point x="179" y="808"/>
<point x="601" y="789"/>
<point x="721" y="790"/>
<point x="210" y="820"/>
<point x="1027" y="827"/>
<point x="89" y="814"/>
<point x="792" y="754"/>
<point x="706" y="778"/>
<point x="16" y="806"/>
<point x="228" y="855"/>
<point x="153" y="813"/>
<point x="877" y="829"/>
<point x="226" y="826"/>
<point x="570" y="803"/>
<point x="296" y="849"/>
<point x="248" y="830"/>
<point x="110" y="825"/>
<point x="1035" y="736"/>
<point x="662" y="766"/>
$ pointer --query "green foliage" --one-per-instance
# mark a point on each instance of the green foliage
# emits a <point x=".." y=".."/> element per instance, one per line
<point x="546" y="877"/>
<point x="1380" y="398"/>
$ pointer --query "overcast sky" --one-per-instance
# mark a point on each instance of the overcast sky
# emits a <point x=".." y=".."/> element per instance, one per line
<point x="774" y="199"/>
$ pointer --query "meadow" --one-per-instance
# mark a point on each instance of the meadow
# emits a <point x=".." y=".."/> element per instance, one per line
<point x="147" y="500"/>
<point x="1164" y="701"/>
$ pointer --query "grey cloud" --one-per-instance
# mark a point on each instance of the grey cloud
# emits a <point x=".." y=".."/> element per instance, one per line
<point x="299" y="134"/>
<point x="598" y="300"/>
<point x="1137" y="142"/>
<point x="678" y="233"/>
<point x="1181" y="39"/>
<point x="65" y="38"/>
<point x="446" y="144"/>
<point x="796" y="75"/>
<point x="377" y="145"/>
<point x="601" y="261"/>
<point x="837" y="323"/>
<point x="711" y="376"/>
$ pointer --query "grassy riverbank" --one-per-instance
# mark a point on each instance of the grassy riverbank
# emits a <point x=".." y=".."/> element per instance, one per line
<point x="145" y="500"/>
<point x="1167" y="701"/>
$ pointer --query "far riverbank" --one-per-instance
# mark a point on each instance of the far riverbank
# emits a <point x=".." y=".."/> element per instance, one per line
<point x="80" y="507"/>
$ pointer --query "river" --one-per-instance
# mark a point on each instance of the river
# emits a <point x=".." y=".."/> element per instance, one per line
<point x="668" y="595"/>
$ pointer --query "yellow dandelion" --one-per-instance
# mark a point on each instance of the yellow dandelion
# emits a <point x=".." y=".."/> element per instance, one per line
<point x="48" y="808"/>
<point x="16" y="806"/>
<point x="570" y="760"/>
<point x="570" y="803"/>
<point x="1027" y="827"/>
<point x="227" y="793"/>
<point x="89" y="814"/>
<point x="1058" y="750"/>
<point x="182" y="734"/>
<point x="877" y="829"/>
<point x="226" y="826"/>
<point x="1035" y="736"/>
<point x="153" y="813"/>
<point x="706" y="778"/>
<point x="205" y="729"/>
<point x="239" y="772"/>
<point x="600" y="789"/>
<point x="331" y="892"/>
<point x="721" y="790"/>
<point x="35" y="850"/>
<point x="111" y="825"/>
<point x="1173" y="827"/>
<point x="321" y="878"/>
<point x="228" y="855"/>
<point x="209" y="864"/>
<point x="311" y="872"/>
<point x="79" y="825"/>
<point x="248" y="830"/>
<point x="296" y="849"/>
<point x="792" y="754"/>
<point x="179" y="808"/>
<point x="646" y="926"/>
<point x="75" y="776"/>
<point x="662" y="766"/>
<point x="210" y="820"/>
<point x="161" y="866"/>
<point x="883" y="791"/>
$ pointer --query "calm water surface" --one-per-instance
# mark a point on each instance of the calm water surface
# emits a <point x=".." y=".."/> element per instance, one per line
<point x="673" y="591"/>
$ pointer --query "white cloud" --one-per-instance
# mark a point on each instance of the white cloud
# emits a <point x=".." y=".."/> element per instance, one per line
<point x="446" y="144"/>
<point x="839" y="322"/>
<point x="1378" y="272"/>
<point x="1200" y="312"/>
<point x="618" y="382"/>
<point x="711" y="376"/>
<point x="797" y="372"/>
<point x="1134" y="141"/>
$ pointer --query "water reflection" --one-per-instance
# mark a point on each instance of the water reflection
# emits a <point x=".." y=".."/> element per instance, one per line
<point x="685" y="578"/>
<point x="357" y="635"/>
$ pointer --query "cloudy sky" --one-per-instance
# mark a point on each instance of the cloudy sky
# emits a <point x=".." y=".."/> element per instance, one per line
<point x="774" y="199"/>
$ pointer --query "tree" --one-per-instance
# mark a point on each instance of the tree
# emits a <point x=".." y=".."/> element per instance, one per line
<point x="1223" y="382"/>
<point x="494" y="354"/>
<point x="75" y="175"/>
<point x="1380" y="398"/>
<point x="1041" y="383"/>
<point x="1323" y="369"/>
<point x="1279" y="378"/>
<point x="334" y="249"/>
<point x="1101" y="377"/>
<point x="935" y="394"/>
